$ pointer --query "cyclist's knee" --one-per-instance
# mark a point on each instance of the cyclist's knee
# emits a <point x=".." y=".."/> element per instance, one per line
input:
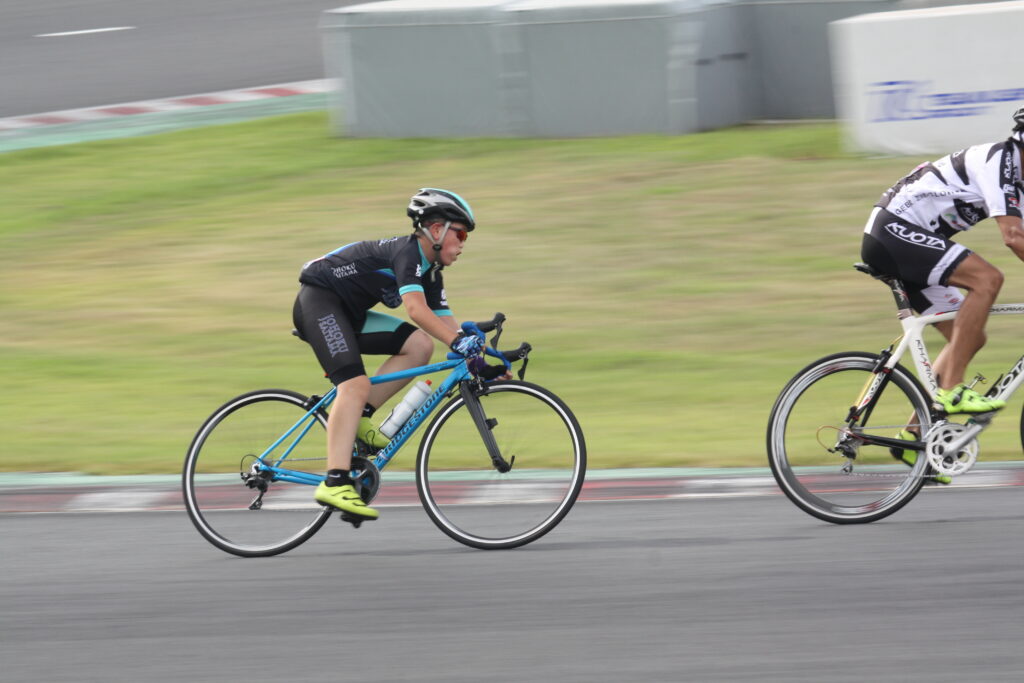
<point x="997" y="280"/>
<point x="355" y="387"/>
<point x="979" y="277"/>
<point x="419" y="346"/>
<point x="988" y="287"/>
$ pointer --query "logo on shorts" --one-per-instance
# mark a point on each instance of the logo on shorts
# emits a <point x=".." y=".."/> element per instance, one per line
<point x="921" y="239"/>
<point x="332" y="335"/>
<point x="347" y="270"/>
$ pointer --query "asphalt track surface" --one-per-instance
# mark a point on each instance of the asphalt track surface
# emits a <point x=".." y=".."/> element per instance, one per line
<point x="172" y="48"/>
<point x="690" y="589"/>
<point x="730" y="589"/>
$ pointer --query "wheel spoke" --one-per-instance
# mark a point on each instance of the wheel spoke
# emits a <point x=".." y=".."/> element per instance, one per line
<point x="477" y="505"/>
<point x="234" y="501"/>
<point x="849" y="479"/>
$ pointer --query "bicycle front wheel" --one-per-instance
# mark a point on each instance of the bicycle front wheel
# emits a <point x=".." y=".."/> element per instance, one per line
<point x="810" y="417"/>
<point x="237" y="505"/>
<point x="472" y="502"/>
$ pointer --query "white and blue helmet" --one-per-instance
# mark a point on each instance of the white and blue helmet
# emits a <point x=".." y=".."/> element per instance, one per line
<point x="431" y="201"/>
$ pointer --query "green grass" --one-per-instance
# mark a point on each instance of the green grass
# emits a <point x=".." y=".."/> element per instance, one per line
<point x="670" y="285"/>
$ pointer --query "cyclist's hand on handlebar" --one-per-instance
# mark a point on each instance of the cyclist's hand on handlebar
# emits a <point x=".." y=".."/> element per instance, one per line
<point x="467" y="345"/>
<point x="479" y="367"/>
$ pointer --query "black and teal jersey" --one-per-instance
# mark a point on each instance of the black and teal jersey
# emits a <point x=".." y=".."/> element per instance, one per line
<point x="364" y="274"/>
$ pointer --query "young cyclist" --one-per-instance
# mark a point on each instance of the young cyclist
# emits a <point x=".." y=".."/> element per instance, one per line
<point x="332" y="313"/>
<point x="910" y="233"/>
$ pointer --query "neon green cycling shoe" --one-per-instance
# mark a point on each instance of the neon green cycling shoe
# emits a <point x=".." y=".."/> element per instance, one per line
<point x="961" y="399"/>
<point x="909" y="458"/>
<point x="346" y="499"/>
<point x="369" y="434"/>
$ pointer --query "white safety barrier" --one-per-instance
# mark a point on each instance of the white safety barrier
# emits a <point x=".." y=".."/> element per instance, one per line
<point x="929" y="81"/>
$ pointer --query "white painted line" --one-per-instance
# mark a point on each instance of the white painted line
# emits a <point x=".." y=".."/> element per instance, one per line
<point x="109" y="501"/>
<point x="89" y="30"/>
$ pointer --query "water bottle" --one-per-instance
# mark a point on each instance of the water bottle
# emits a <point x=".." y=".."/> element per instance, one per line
<point x="412" y="400"/>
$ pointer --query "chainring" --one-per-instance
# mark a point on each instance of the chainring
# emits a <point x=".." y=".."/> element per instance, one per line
<point x="941" y="459"/>
<point x="366" y="477"/>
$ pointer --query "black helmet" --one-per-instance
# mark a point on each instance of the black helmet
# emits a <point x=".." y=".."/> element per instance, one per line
<point x="1018" y="120"/>
<point x="430" y="201"/>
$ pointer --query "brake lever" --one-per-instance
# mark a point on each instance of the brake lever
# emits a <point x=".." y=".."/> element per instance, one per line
<point x="497" y="336"/>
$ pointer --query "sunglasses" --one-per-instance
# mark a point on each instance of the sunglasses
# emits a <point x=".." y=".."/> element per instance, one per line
<point x="461" y="234"/>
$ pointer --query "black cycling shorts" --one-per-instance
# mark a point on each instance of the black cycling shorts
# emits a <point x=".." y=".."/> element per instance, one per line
<point x="922" y="259"/>
<point x="325" y="324"/>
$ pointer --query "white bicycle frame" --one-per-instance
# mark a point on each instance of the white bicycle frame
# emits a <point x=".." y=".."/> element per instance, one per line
<point x="913" y="340"/>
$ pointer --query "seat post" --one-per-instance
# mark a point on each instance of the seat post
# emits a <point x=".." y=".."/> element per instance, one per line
<point x="899" y="291"/>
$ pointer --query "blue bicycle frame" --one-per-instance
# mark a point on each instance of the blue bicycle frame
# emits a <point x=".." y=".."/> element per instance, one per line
<point x="460" y="372"/>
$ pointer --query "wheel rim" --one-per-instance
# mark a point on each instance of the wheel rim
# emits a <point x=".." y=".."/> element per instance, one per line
<point x="811" y="412"/>
<point x="218" y="500"/>
<point x="472" y="502"/>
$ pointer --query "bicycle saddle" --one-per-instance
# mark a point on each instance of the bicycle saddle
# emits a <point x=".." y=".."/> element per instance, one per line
<point x="868" y="270"/>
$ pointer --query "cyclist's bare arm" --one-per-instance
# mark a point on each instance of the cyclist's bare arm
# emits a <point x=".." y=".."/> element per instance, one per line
<point x="1012" y="228"/>
<point x="442" y="328"/>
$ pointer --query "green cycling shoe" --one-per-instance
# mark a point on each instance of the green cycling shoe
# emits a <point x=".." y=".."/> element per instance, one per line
<point x="909" y="458"/>
<point x="369" y="434"/>
<point x="346" y="499"/>
<point x="961" y="399"/>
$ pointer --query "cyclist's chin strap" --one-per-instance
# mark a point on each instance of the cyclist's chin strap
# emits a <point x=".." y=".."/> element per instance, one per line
<point x="438" y="266"/>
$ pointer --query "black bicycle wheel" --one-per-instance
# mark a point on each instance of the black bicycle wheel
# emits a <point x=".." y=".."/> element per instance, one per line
<point x="468" y="499"/>
<point x="807" y="420"/>
<point x="1022" y="429"/>
<point x="222" y="483"/>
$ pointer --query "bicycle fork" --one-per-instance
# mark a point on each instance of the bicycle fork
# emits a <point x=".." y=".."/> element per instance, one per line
<point x="484" y="425"/>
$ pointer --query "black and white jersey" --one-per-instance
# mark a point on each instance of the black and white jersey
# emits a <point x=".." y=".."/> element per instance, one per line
<point x="955" y="192"/>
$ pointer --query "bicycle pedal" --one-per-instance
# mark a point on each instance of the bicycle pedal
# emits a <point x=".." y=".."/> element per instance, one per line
<point x="355" y="520"/>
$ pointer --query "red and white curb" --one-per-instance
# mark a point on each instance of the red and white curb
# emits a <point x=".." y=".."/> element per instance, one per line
<point x="127" y="498"/>
<point x="170" y="104"/>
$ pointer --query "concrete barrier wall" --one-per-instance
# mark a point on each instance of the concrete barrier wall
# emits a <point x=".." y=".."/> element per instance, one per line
<point x="415" y="68"/>
<point x="581" y="67"/>
<point x="600" y="68"/>
<point x="929" y="81"/>
<point x="513" y="68"/>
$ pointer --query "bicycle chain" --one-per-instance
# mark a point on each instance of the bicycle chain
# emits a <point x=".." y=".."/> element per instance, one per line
<point x="877" y="475"/>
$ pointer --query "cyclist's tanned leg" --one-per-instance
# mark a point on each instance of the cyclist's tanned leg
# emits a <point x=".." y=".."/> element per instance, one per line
<point x="343" y="421"/>
<point x="416" y="351"/>
<point x="982" y="281"/>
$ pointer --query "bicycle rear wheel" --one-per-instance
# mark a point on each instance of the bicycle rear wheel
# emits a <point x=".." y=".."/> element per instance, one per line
<point x="808" y="419"/>
<point x="473" y="503"/>
<point x="222" y="476"/>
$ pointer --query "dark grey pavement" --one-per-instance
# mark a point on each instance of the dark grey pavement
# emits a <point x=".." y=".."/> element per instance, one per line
<point x="174" y="48"/>
<point x="689" y="589"/>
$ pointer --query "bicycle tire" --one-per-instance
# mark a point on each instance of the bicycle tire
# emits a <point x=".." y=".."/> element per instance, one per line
<point x="218" y="500"/>
<point x="1022" y="429"/>
<point x="474" y="504"/>
<point x="813" y="478"/>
